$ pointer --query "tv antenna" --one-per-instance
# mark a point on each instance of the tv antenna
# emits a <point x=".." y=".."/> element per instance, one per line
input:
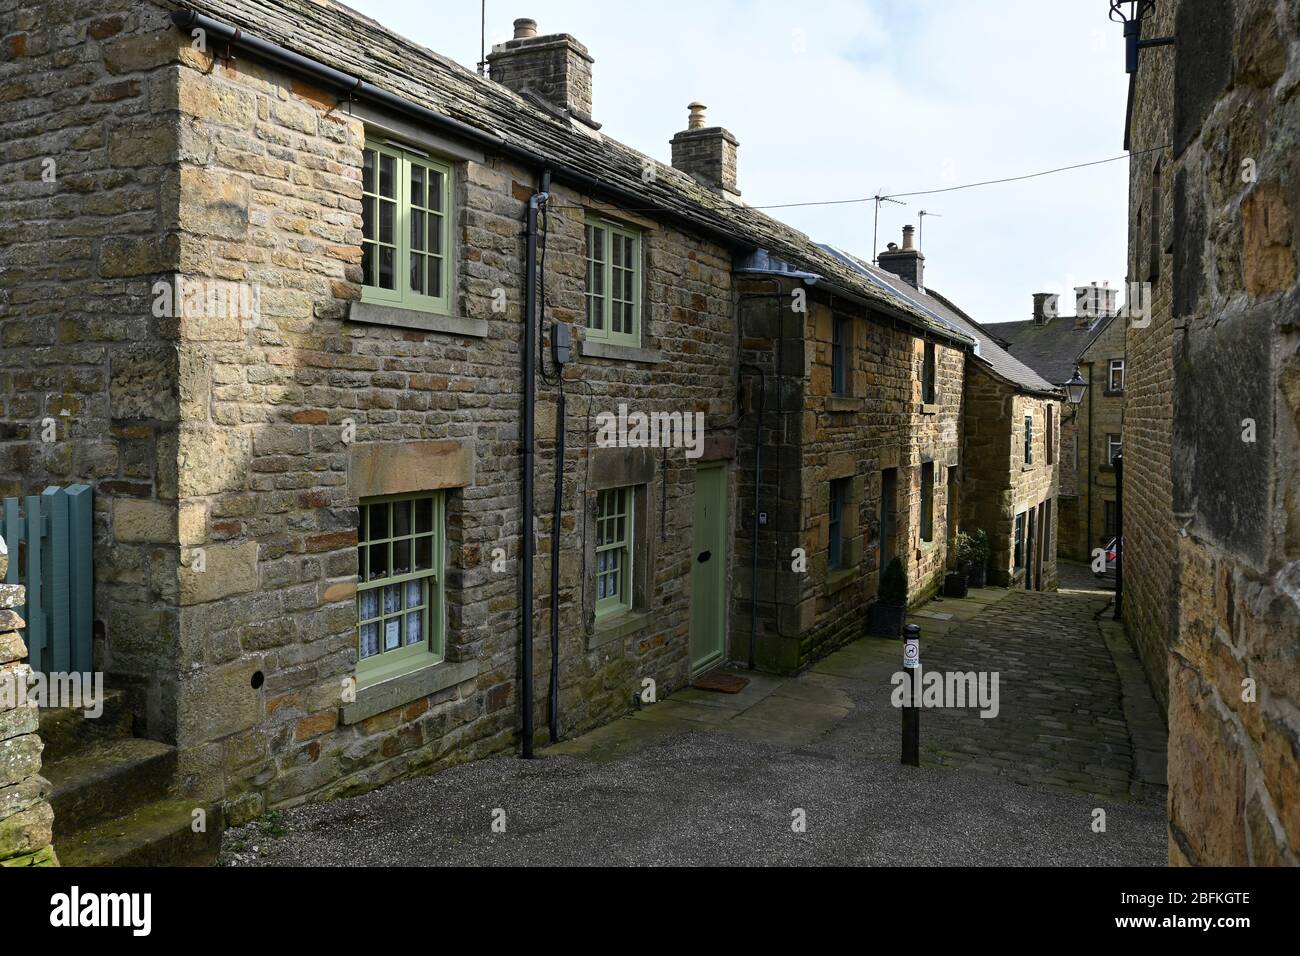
<point x="875" y="232"/>
<point x="920" y="235"/>
<point x="482" y="39"/>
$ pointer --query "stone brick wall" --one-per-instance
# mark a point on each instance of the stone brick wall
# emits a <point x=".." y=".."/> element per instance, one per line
<point x="1100" y="414"/>
<point x="813" y="437"/>
<point x="26" y="818"/>
<point x="1229" y="295"/>
<point x="1150" y="532"/>
<point x="996" y="483"/>
<point x="269" y="485"/>
<point x="87" y="371"/>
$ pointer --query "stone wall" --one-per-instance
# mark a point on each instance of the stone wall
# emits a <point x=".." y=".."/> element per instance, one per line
<point x="1150" y="532"/>
<point x="812" y="437"/>
<point x="270" y="482"/>
<point x="1227" y="281"/>
<point x="997" y="485"/>
<point x="26" y="819"/>
<point x="1083" y="524"/>
<point x="87" y="370"/>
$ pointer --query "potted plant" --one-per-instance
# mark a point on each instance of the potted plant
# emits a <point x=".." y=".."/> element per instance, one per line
<point x="973" y="556"/>
<point x="889" y="613"/>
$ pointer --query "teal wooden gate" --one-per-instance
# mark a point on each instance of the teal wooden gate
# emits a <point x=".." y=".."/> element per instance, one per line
<point x="50" y="549"/>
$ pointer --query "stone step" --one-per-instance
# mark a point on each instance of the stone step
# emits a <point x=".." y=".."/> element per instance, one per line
<point x="106" y="779"/>
<point x="156" y="834"/>
<point x="66" y="730"/>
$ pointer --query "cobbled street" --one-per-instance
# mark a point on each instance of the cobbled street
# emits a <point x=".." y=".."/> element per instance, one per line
<point x="708" y="778"/>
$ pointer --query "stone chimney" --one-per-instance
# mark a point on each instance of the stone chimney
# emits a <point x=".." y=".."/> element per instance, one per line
<point x="556" y="68"/>
<point x="907" y="263"/>
<point x="1094" y="302"/>
<point x="1046" y="307"/>
<point x="708" y="153"/>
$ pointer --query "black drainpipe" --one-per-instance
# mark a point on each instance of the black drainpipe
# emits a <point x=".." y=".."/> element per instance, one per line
<point x="758" y="477"/>
<point x="528" y="455"/>
<point x="556" y="513"/>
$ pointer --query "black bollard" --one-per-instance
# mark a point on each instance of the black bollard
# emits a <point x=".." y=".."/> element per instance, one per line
<point x="912" y="709"/>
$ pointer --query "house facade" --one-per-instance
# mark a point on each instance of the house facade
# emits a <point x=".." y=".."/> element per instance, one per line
<point x="1091" y="434"/>
<point x="285" y="308"/>
<point x="1213" y="422"/>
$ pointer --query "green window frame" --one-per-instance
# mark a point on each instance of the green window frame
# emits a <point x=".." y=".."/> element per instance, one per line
<point x="400" y="607"/>
<point x="614" y="542"/>
<point x="614" y="274"/>
<point x="406" y="214"/>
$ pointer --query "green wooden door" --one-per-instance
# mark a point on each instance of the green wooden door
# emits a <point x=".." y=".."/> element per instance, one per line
<point x="709" y="571"/>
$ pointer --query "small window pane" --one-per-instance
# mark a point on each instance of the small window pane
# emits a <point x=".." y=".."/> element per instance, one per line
<point x="387" y="268"/>
<point x="423" y="554"/>
<point x="378" y="561"/>
<point x="368" y="170"/>
<point x="401" y="557"/>
<point x="387" y="222"/>
<point x="417" y="230"/>
<point x="424" y="516"/>
<point x="368" y="217"/>
<point x="392" y="634"/>
<point x="387" y="176"/>
<point x="369" y="640"/>
<point x="417" y="185"/>
<point x="369" y="605"/>
<point x="414" y="628"/>
<point x="435" y="190"/>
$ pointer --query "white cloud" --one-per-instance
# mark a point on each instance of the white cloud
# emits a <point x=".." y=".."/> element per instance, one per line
<point x="905" y="96"/>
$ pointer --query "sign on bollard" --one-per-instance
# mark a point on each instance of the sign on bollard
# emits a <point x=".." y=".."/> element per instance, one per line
<point x="912" y="710"/>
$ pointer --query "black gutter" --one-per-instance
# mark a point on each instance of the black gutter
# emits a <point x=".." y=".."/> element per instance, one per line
<point x="528" y="454"/>
<point x="557" y="514"/>
<point x="358" y="88"/>
<point x="758" y="478"/>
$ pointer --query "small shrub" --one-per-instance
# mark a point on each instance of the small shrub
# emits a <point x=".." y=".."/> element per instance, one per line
<point x="893" y="585"/>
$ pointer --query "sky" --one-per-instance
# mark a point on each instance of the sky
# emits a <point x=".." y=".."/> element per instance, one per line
<point x="836" y="100"/>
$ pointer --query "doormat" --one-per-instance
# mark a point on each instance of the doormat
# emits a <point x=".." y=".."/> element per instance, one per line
<point x="722" y="683"/>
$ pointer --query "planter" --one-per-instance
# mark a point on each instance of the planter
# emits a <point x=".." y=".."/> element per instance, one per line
<point x="887" y="620"/>
<point x="954" y="585"/>
<point x="977" y="575"/>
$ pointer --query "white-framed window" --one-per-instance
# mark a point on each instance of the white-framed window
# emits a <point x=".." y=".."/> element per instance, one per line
<point x="406" y="227"/>
<point x="1114" y="445"/>
<point x="1116" y="382"/>
<point x="614" y="550"/>
<point x="400" y="615"/>
<point x="613" y="283"/>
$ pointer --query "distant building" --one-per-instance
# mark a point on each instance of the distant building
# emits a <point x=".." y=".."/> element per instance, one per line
<point x="1091" y="436"/>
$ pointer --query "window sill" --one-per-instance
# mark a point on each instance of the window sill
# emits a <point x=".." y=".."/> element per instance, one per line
<point x="930" y="409"/>
<point x="611" y="629"/>
<point x="844" y="403"/>
<point x="839" y="579"/>
<point x="406" y="689"/>
<point x="1109" y="393"/>
<point x="1024" y="468"/>
<point x="370" y="313"/>
<point x="621" y="353"/>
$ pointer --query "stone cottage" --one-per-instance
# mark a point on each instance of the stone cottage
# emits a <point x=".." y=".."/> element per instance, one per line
<point x="1211" y="511"/>
<point x="1010" y="437"/>
<point x="1091" y="435"/>
<point x="310" y="279"/>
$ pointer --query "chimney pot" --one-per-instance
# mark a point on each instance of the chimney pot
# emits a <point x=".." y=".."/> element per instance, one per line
<point x="708" y="154"/>
<point x="525" y="28"/>
<point x="907" y="263"/>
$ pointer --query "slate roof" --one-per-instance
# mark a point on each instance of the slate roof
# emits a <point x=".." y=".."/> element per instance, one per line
<point x="331" y="33"/>
<point x="988" y="351"/>
<point x="1052" y="349"/>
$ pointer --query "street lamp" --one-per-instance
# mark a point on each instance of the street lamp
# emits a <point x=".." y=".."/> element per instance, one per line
<point x="1075" y="388"/>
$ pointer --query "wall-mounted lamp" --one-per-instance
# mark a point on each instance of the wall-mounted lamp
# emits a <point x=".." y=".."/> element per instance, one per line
<point x="1075" y="388"/>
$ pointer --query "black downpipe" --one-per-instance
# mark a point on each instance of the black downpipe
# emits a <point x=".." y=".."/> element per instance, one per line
<point x="556" y="513"/>
<point x="758" y="477"/>
<point x="528" y="453"/>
